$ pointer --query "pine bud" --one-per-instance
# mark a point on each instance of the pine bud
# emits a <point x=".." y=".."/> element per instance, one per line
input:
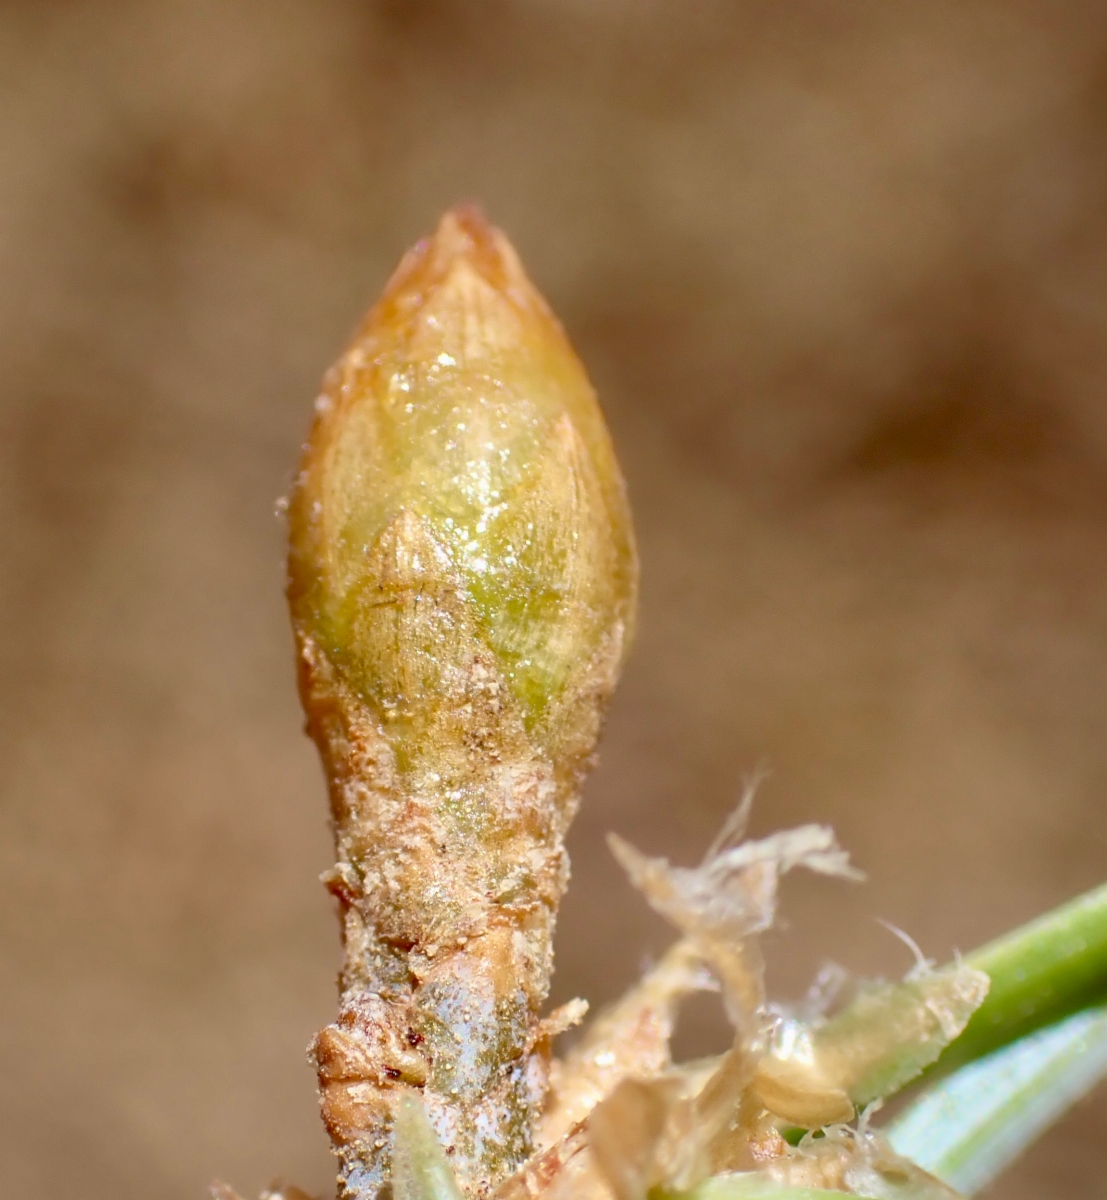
<point x="462" y="580"/>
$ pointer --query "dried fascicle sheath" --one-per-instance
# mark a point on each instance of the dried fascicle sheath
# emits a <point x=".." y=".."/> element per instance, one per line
<point x="674" y="1129"/>
<point x="721" y="905"/>
<point x="462" y="581"/>
<point x="886" y="1037"/>
<point x="629" y="1039"/>
<point x="858" y="1162"/>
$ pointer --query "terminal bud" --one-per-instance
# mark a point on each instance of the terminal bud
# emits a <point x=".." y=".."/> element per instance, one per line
<point x="462" y="580"/>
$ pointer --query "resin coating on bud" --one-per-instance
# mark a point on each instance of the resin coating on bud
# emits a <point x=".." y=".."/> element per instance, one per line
<point x="458" y="447"/>
<point x="462" y="581"/>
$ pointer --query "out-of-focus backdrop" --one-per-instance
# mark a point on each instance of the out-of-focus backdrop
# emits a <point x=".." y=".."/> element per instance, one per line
<point x="839" y="270"/>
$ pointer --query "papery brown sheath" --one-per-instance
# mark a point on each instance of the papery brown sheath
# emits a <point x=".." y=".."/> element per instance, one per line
<point x="462" y="580"/>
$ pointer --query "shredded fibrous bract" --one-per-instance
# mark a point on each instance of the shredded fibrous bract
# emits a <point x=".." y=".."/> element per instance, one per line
<point x="812" y="1073"/>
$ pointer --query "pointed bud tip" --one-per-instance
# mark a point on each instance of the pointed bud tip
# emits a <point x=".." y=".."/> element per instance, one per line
<point x="464" y="240"/>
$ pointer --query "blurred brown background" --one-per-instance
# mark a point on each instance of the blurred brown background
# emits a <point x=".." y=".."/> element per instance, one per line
<point x="840" y="273"/>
